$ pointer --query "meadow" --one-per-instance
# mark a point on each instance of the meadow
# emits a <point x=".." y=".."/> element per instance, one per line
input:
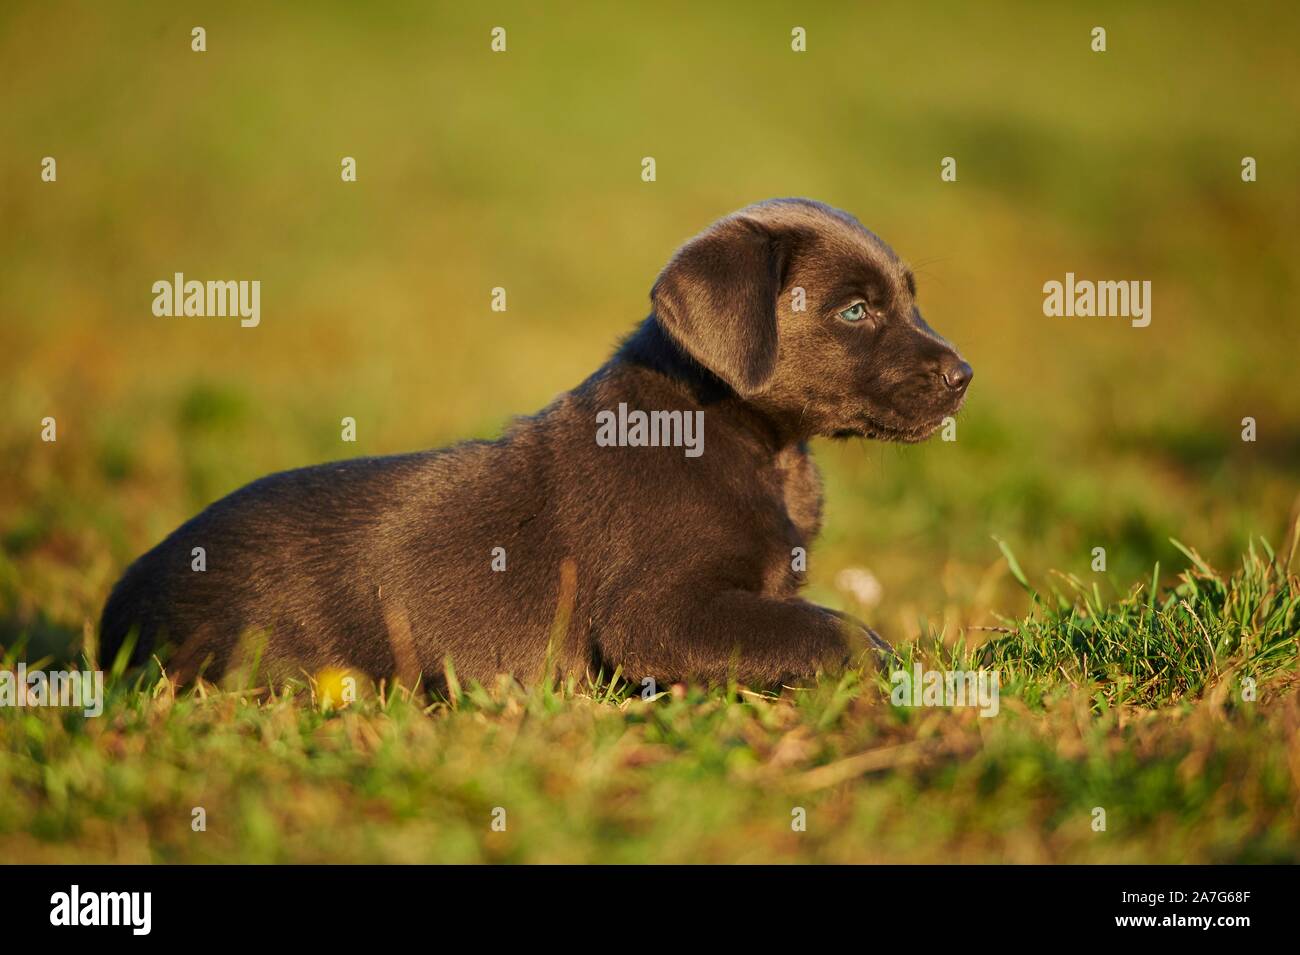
<point x="1161" y="689"/>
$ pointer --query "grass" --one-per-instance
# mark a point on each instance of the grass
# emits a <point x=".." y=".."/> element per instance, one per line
<point x="1152" y="649"/>
<point x="1173" y="713"/>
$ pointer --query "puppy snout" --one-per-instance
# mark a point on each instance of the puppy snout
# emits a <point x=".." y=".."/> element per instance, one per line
<point x="956" y="374"/>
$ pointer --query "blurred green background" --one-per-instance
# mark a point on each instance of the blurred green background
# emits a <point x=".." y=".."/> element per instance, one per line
<point x="522" y="170"/>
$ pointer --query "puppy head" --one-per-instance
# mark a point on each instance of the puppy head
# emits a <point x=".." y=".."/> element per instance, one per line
<point x="847" y="355"/>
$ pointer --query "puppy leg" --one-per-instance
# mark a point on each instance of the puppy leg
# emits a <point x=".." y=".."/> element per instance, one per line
<point x="880" y="649"/>
<point x="758" y="640"/>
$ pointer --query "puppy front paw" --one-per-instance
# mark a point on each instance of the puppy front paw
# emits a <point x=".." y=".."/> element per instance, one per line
<point x="877" y="648"/>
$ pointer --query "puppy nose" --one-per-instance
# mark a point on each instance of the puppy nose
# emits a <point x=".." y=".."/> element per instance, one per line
<point x="957" y="374"/>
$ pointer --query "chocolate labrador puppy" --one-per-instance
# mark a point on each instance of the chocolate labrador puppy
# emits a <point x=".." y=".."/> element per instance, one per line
<point x="649" y="519"/>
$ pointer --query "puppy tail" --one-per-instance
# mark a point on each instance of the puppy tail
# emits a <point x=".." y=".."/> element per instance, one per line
<point x="125" y="639"/>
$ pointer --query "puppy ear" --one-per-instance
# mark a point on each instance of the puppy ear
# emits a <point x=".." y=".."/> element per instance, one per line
<point x="717" y="299"/>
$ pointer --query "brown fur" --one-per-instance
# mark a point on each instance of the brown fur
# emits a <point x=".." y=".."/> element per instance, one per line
<point x="668" y="566"/>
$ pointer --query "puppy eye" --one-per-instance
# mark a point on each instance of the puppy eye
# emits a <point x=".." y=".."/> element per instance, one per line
<point x="855" y="312"/>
